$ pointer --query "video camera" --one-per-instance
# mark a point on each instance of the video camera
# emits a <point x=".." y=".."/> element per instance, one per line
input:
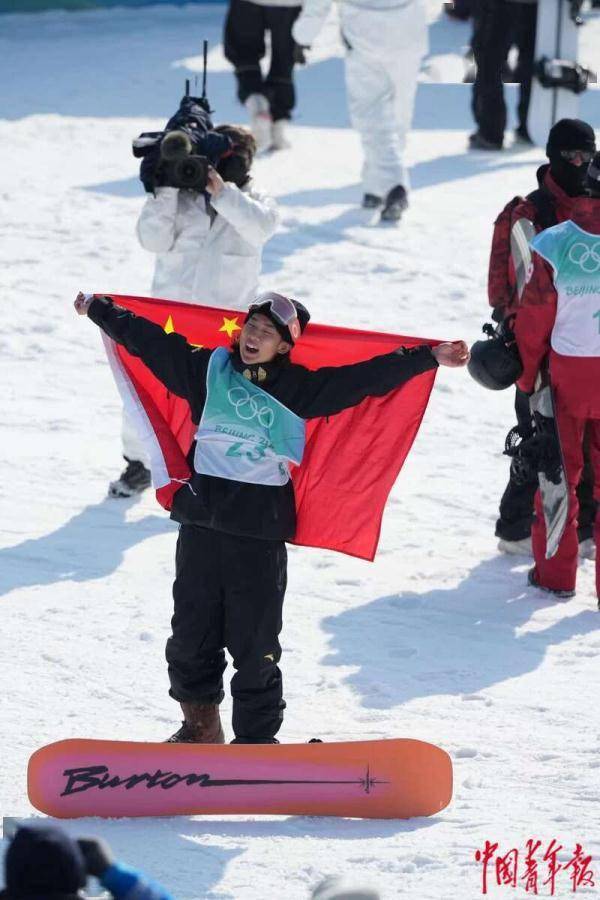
<point x="180" y="155"/>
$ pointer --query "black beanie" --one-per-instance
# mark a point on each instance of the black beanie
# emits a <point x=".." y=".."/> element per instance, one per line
<point x="301" y="311"/>
<point x="593" y="176"/>
<point x="570" y="134"/>
<point x="43" y="861"/>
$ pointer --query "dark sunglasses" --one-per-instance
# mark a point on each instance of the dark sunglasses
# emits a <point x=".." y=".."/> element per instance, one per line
<point x="586" y="156"/>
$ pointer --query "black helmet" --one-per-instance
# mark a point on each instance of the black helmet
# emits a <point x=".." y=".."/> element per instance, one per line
<point x="495" y="362"/>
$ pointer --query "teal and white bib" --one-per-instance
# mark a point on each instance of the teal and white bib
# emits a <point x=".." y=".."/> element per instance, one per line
<point x="574" y="255"/>
<point x="244" y="433"/>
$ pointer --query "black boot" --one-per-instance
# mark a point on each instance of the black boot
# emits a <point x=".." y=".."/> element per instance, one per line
<point x="371" y="201"/>
<point x="395" y="204"/>
<point x="134" y="479"/>
<point x="202" y="725"/>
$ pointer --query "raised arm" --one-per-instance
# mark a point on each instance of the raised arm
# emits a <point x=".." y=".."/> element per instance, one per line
<point x="156" y="224"/>
<point x="179" y="366"/>
<point x="327" y="391"/>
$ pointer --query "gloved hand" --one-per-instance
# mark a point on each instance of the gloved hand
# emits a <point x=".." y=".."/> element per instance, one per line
<point x="298" y="54"/>
<point x="97" y="855"/>
<point x="151" y="174"/>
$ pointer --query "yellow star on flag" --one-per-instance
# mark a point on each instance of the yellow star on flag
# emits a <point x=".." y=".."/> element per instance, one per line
<point x="230" y="325"/>
<point x="169" y="328"/>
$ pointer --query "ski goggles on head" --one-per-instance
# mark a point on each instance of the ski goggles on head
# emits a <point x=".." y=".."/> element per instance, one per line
<point x="586" y="156"/>
<point x="282" y="309"/>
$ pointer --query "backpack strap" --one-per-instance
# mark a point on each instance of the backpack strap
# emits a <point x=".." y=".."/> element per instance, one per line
<point x="545" y="207"/>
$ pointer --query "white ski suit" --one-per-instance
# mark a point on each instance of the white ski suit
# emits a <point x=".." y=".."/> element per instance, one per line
<point x="385" y="40"/>
<point x="202" y="257"/>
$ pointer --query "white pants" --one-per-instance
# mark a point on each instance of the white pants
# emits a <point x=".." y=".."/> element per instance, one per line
<point x="381" y="80"/>
<point x="133" y="447"/>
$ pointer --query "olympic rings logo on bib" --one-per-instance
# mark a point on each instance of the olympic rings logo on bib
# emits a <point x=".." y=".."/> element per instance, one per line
<point x="587" y="258"/>
<point x="246" y="407"/>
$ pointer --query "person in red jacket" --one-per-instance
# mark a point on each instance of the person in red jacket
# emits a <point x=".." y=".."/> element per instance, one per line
<point x="561" y="182"/>
<point x="559" y="321"/>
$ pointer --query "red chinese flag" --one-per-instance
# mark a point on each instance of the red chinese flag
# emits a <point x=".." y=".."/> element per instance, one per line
<point x="351" y="460"/>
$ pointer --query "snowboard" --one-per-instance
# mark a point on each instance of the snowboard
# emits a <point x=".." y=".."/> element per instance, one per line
<point x="551" y="472"/>
<point x="385" y="779"/>
<point x="558" y="78"/>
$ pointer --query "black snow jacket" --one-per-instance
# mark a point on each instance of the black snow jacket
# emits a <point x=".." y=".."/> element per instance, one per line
<point x="239" y="508"/>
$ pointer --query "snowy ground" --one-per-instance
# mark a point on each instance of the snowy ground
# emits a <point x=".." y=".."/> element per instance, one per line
<point x="439" y="639"/>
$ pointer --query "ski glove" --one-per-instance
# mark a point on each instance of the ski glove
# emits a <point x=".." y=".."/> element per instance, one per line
<point x="298" y="54"/>
<point x="96" y="854"/>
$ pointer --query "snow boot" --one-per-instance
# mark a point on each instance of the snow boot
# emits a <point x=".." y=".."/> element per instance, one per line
<point x="395" y="204"/>
<point x="371" y="201"/>
<point x="532" y="579"/>
<point x="477" y="141"/>
<point x="201" y="725"/>
<point x="587" y="549"/>
<point x="260" y="120"/>
<point x="134" y="479"/>
<point x="241" y="740"/>
<point x="516" y="548"/>
<point x="279" y="138"/>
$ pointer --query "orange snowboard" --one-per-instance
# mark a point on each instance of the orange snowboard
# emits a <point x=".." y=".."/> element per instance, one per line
<point x="390" y="779"/>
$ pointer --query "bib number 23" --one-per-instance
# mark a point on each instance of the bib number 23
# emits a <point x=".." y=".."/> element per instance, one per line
<point x="255" y="452"/>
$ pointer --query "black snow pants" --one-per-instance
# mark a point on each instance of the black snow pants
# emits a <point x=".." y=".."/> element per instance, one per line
<point x="245" y="28"/>
<point x="228" y="593"/>
<point x="498" y="24"/>
<point x="516" y="505"/>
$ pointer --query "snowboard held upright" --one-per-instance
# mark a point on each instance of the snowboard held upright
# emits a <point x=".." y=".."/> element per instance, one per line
<point x="365" y="779"/>
<point x="558" y="77"/>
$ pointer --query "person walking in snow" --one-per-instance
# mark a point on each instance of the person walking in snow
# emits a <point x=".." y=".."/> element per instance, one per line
<point x="497" y="25"/>
<point x="239" y="508"/>
<point x="561" y="184"/>
<point x="208" y="249"/>
<point x="43" y="862"/>
<point x="385" y="42"/>
<point x="558" y="325"/>
<point x="269" y="99"/>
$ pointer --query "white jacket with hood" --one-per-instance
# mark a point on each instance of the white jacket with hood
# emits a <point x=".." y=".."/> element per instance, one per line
<point x="207" y="253"/>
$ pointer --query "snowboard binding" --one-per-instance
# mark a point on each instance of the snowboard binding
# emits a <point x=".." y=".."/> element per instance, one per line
<point x="560" y="73"/>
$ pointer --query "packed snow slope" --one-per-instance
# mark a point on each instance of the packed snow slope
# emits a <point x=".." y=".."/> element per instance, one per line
<point x="439" y="639"/>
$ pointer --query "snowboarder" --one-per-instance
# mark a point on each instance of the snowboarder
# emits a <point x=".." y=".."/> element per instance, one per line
<point x="571" y="145"/>
<point x="239" y="509"/>
<point x="385" y="44"/>
<point x="196" y="237"/>
<point x="269" y="100"/>
<point x="559" y="321"/>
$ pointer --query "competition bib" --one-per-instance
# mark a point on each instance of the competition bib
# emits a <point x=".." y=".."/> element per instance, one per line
<point x="574" y="255"/>
<point x="244" y="433"/>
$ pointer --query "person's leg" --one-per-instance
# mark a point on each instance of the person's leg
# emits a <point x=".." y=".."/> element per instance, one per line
<point x="194" y="652"/>
<point x="490" y="46"/>
<point x="279" y="82"/>
<point x="516" y="505"/>
<point x="525" y="40"/>
<point x="255" y="587"/>
<point x="594" y="451"/>
<point x="135" y="477"/>
<point x="369" y="92"/>
<point x="585" y="494"/>
<point x="560" y="572"/>
<point x="244" y="45"/>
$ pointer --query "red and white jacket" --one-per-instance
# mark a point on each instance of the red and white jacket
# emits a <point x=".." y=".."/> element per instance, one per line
<point x="575" y="378"/>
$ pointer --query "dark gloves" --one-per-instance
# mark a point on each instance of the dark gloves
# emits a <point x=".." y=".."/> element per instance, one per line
<point x="151" y="172"/>
<point x="299" y="55"/>
<point x="97" y="855"/>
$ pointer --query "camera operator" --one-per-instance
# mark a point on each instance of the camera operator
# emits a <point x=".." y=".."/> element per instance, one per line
<point x="43" y="862"/>
<point x="208" y="238"/>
